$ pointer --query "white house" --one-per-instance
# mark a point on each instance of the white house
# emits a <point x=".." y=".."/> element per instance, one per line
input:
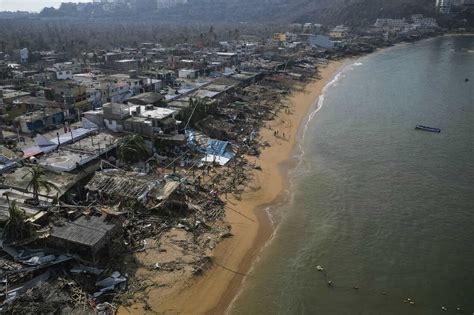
<point x="65" y="70"/>
<point x="188" y="73"/>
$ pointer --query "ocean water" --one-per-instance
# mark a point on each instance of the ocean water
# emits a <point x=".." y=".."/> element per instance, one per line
<point x="380" y="205"/>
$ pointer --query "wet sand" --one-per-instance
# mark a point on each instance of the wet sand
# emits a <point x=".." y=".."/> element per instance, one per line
<point x="213" y="292"/>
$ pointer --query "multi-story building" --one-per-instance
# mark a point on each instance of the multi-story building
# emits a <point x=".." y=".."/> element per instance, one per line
<point x="444" y="6"/>
<point x="467" y="3"/>
<point x="69" y="93"/>
<point x="24" y="55"/>
<point x="339" y="31"/>
<point x="145" y="120"/>
<point x="423" y="22"/>
<point x="65" y="70"/>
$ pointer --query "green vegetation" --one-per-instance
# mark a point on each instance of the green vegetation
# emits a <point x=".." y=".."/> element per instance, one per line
<point x="132" y="148"/>
<point x="197" y="110"/>
<point x="17" y="227"/>
<point x="37" y="182"/>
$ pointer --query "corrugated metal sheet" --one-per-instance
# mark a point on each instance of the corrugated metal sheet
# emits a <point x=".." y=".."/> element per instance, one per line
<point x="88" y="231"/>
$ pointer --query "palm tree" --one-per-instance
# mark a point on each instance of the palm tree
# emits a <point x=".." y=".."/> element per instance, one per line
<point x="17" y="227"/>
<point x="37" y="182"/>
<point x="198" y="108"/>
<point x="132" y="147"/>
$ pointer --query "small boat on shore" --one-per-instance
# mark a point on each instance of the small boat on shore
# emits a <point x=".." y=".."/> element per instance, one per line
<point x="426" y="128"/>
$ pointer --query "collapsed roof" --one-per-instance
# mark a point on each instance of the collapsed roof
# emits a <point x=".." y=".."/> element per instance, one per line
<point x="131" y="185"/>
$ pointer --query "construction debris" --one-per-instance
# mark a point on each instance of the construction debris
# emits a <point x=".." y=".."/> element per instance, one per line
<point x="162" y="213"/>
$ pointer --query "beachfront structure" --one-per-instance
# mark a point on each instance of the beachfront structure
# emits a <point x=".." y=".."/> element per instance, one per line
<point x="339" y="31"/>
<point x="391" y="24"/>
<point x="320" y="41"/>
<point x="419" y="21"/>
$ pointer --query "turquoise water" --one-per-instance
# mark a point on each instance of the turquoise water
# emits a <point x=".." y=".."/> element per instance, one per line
<point x="379" y="205"/>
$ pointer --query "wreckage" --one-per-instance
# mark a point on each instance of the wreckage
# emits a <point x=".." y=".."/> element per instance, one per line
<point x="106" y="210"/>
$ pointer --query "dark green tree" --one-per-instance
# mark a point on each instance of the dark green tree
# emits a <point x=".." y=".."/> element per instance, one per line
<point x="132" y="148"/>
<point x="17" y="228"/>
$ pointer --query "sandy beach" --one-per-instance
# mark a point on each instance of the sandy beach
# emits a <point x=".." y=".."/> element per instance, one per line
<point x="213" y="292"/>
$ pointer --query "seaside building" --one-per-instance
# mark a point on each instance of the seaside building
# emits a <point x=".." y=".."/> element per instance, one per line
<point x="391" y="24"/>
<point x="339" y="31"/>
<point x="423" y="22"/>
<point x="320" y="41"/>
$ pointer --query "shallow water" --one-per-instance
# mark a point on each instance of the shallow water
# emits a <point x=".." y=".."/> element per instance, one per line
<point x="381" y="206"/>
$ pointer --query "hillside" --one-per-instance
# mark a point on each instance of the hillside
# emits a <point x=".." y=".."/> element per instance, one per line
<point x="351" y="12"/>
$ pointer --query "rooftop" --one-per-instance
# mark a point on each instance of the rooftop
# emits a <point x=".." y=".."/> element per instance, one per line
<point x="68" y="157"/>
<point x="129" y="185"/>
<point x="89" y="231"/>
<point x="146" y="98"/>
<point x="151" y="112"/>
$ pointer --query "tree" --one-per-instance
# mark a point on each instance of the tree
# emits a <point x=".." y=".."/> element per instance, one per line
<point x="197" y="110"/>
<point x="131" y="148"/>
<point x="17" y="227"/>
<point x="37" y="182"/>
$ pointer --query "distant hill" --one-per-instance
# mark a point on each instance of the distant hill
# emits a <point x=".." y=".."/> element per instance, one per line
<point x="351" y="12"/>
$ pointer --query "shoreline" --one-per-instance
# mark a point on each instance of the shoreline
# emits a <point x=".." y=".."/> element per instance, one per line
<point x="215" y="291"/>
<point x="219" y="287"/>
<point x="283" y="168"/>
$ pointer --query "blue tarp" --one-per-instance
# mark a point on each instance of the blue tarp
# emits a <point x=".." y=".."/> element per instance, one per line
<point x="216" y="147"/>
<point x="218" y="152"/>
<point x="219" y="148"/>
<point x="191" y="139"/>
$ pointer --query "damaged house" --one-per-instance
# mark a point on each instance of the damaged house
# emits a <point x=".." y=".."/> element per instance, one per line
<point x="117" y="184"/>
<point x="145" y="120"/>
<point x="86" y="236"/>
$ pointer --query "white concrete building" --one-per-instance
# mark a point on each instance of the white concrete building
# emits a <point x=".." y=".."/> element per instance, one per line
<point x="391" y="24"/>
<point x="24" y="55"/>
<point x="422" y="22"/>
<point x="444" y="6"/>
<point x="65" y="70"/>
<point x="188" y="74"/>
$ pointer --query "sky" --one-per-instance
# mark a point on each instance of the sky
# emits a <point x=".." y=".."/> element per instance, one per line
<point x="32" y="5"/>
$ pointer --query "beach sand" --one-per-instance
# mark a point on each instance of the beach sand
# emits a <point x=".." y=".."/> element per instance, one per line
<point x="213" y="292"/>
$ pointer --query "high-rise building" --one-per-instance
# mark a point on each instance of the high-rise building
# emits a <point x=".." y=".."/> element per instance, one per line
<point x="467" y="3"/>
<point x="444" y="6"/>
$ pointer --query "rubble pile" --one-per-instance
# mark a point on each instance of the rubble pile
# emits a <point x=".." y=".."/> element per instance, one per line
<point x="141" y="206"/>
